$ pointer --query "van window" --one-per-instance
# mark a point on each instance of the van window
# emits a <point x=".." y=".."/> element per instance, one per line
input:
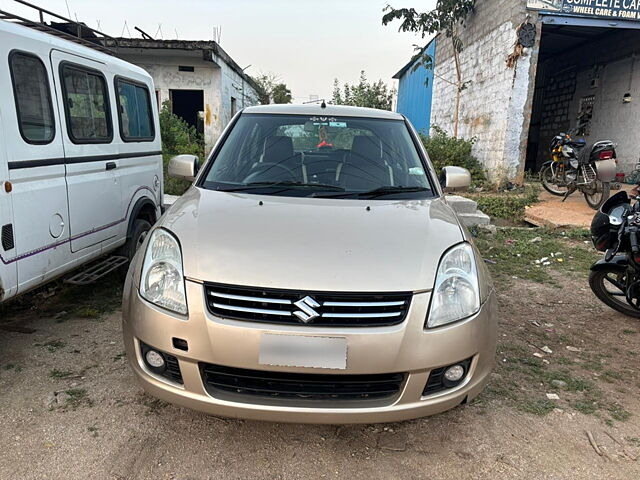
<point x="86" y="105"/>
<point x="33" y="98"/>
<point x="134" y="108"/>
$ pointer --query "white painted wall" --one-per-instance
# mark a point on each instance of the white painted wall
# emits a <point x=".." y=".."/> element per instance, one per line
<point x="492" y="106"/>
<point x="613" y="119"/>
<point x="217" y="80"/>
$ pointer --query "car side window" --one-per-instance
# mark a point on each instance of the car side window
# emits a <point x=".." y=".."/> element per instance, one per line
<point x="32" y="98"/>
<point x="86" y="104"/>
<point x="134" y="111"/>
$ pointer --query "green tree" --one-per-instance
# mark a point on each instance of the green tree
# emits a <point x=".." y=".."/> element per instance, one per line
<point x="177" y="138"/>
<point x="266" y="82"/>
<point x="271" y="89"/>
<point x="363" y="94"/>
<point x="281" y="94"/>
<point x="448" y="17"/>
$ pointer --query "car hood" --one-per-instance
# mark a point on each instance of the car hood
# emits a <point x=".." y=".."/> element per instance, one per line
<point x="312" y="244"/>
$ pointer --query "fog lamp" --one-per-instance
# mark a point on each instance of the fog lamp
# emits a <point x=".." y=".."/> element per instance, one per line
<point x="454" y="373"/>
<point x="154" y="359"/>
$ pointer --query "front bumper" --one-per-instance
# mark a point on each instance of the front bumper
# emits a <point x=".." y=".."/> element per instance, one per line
<point x="405" y="348"/>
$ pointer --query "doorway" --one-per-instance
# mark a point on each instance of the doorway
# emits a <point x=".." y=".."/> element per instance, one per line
<point x="188" y="105"/>
<point x="587" y="84"/>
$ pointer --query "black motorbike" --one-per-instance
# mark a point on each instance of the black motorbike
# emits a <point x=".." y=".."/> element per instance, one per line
<point x="615" y="230"/>
<point x="574" y="165"/>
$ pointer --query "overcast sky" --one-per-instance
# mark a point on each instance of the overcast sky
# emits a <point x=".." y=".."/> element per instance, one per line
<point x="307" y="43"/>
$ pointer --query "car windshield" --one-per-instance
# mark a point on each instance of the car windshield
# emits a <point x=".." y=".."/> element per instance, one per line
<point x="333" y="157"/>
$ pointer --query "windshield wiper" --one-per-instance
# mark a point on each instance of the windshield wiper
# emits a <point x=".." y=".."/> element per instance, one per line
<point x="285" y="183"/>
<point x="376" y="192"/>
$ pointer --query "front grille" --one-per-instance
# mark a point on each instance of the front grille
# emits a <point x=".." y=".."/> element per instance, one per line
<point x="284" y="306"/>
<point x="305" y="386"/>
<point x="173" y="369"/>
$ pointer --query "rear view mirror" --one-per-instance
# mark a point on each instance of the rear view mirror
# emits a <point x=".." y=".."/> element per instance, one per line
<point x="184" y="167"/>
<point x="455" y="178"/>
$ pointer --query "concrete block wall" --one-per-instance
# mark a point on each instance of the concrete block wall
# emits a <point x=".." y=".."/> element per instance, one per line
<point x="495" y="106"/>
<point x="559" y="91"/>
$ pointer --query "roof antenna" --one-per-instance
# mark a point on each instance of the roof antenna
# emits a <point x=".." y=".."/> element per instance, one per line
<point x="323" y="104"/>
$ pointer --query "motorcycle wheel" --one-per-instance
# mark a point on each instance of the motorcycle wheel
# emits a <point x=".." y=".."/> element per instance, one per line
<point x="606" y="285"/>
<point x="546" y="177"/>
<point x="595" y="200"/>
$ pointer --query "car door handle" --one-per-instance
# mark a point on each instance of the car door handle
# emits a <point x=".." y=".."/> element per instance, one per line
<point x="111" y="165"/>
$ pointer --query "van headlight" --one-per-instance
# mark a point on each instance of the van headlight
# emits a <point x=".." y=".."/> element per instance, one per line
<point x="456" y="294"/>
<point x="162" y="279"/>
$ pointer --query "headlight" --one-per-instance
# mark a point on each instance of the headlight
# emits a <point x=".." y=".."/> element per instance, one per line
<point x="456" y="294"/>
<point x="162" y="280"/>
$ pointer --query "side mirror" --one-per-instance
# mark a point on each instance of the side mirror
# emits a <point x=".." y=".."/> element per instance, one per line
<point x="455" y="178"/>
<point x="184" y="167"/>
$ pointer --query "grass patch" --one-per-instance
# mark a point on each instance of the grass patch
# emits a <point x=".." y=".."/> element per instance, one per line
<point x="55" y="373"/>
<point x="537" y="407"/>
<point x="510" y="205"/>
<point x="586" y="407"/>
<point x="618" y="413"/>
<point x="77" y="398"/>
<point x="532" y="254"/>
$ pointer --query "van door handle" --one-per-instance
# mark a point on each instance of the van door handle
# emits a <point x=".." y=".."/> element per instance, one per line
<point x="111" y="165"/>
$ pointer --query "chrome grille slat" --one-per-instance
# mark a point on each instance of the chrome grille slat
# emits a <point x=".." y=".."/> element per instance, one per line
<point x="250" y="299"/>
<point x="361" y="315"/>
<point x="291" y="307"/>
<point x="363" y="304"/>
<point x="251" y="310"/>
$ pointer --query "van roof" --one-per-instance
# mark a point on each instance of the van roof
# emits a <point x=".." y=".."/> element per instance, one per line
<point x="330" y="110"/>
<point x="68" y="46"/>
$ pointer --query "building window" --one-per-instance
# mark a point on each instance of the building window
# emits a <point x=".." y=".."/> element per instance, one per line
<point x="186" y="68"/>
<point x="234" y="106"/>
<point x="32" y="97"/>
<point x="134" y="111"/>
<point x="86" y="104"/>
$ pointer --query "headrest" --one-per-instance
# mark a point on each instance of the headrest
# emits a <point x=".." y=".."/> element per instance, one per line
<point x="277" y="149"/>
<point x="367" y="147"/>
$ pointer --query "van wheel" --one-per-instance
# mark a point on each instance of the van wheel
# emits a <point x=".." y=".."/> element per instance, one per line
<point x="138" y="234"/>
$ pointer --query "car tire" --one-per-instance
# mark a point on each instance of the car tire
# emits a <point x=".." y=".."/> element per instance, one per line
<point x="136" y="239"/>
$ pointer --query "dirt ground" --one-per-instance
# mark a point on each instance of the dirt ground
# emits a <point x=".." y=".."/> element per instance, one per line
<point x="553" y="212"/>
<point x="70" y="408"/>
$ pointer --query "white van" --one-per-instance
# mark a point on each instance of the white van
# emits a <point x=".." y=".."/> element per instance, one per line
<point x="80" y="158"/>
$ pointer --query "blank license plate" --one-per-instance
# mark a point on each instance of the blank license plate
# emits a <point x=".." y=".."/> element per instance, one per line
<point x="301" y="351"/>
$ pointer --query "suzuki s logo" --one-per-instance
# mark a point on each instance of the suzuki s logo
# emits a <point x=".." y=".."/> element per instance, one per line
<point x="306" y="312"/>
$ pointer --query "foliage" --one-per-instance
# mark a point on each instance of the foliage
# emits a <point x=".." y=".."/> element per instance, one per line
<point x="281" y="94"/>
<point x="445" y="150"/>
<point x="363" y="94"/>
<point x="508" y="205"/>
<point x="178" y="137"/>
<point x="271" y="90"/>
<point x="448" y="17"/>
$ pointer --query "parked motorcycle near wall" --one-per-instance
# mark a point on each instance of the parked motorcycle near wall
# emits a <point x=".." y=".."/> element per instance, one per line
<point x="615" y="229"/>
<point x="576" y="166"/>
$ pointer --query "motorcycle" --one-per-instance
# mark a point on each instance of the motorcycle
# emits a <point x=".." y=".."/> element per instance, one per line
<point x="575" y="166"/>
<point x="615" y="230"/>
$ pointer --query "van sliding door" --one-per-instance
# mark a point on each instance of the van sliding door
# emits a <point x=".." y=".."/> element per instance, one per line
<point x="85" y="95"/>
